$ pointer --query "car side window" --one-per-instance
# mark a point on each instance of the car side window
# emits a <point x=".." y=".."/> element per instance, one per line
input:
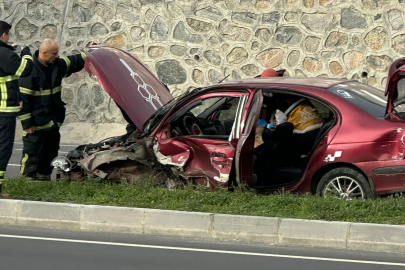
<point x="201" y="117"/>
<point x="205" y="104"/>
<point x="229" y="114"/>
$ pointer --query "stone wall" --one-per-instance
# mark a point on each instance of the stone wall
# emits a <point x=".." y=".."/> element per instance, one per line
<point x="190" y="43"/>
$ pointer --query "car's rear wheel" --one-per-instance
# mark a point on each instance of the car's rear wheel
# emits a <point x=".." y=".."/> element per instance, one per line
<point x="344" y="183"/>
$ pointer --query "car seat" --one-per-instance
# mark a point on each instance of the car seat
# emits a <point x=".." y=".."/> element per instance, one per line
<point x="275" y="159"/>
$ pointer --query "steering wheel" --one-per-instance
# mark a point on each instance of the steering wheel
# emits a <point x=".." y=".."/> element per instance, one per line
<point x="192" y="125"/>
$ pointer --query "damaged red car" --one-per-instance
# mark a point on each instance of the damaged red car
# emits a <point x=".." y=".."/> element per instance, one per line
<point x="207" y="136"/>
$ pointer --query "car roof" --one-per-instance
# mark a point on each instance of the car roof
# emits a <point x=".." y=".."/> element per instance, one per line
<point x="302" y="81"/>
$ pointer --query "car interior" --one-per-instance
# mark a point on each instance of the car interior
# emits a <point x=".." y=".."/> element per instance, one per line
<point x="212" y="117"/>
<point x="283" y="157"/>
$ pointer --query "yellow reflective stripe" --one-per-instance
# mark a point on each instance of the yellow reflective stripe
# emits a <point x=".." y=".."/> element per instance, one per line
<point x="59" y="124"/>
<point x="46" y="92"/>
<point x="68" y="63"/>
<point x="23" y="161"/>
<point x="38" y="93"/>
<point x="26" y="91"/>
<point x="21" y="68"/>
<point x="27" y="57"/>
<point x="2" y="173"/>
<point x="50" y="124"/>
<point x="25" y="116"/>
<point x="10" y="109"/>
<point x="83" y="56"/>
<point x="3" y="96"/>
<point x="57" y="89"/>
<point x="8" y="78"/>
<point x="4" y="104"/>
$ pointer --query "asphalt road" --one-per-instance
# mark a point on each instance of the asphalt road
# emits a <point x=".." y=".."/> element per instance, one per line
<point x="33" y="248"/>
<point x="13" y="168"/>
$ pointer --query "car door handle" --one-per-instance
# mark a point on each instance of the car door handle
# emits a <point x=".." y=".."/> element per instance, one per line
<point x="220" y="157"/>
<point x="216" y="154"/>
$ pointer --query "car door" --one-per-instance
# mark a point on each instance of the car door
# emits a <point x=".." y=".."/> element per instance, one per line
<point x="246" y="139"/>
<point x="202" y="159"/>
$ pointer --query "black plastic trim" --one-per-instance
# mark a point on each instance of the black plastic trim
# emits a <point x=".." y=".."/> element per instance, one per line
<point x="390" y="170"/>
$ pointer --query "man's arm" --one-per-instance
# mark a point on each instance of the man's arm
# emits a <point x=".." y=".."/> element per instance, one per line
<point x="75" y="63"/>
<point x="18" y="66"/>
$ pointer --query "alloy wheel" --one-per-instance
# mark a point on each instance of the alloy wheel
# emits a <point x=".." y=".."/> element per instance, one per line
<point x="344" y="188"/>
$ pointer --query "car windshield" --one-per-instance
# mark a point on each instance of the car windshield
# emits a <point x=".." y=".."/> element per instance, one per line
<point x="155" y="118"/>
<point x="365" y="97"/>
<point x="152" y="122"/>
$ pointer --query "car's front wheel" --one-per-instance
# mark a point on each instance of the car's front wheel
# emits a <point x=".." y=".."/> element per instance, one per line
<point x="344" y="183"/>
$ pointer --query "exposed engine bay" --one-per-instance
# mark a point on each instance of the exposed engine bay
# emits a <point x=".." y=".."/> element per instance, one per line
<point x="100" y="160"/>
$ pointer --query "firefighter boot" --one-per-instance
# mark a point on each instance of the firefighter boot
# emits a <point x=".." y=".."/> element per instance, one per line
<point x="43" y="177"/>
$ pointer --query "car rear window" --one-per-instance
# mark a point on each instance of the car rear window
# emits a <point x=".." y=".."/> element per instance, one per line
<point x="365" y="97"/>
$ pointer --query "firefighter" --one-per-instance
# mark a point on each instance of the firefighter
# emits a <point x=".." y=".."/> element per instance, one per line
<point x="43" y="110"/>
<point x="12" y="67"/>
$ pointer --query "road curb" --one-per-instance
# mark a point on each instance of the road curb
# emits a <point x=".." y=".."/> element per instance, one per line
<point x="264" y="230"/>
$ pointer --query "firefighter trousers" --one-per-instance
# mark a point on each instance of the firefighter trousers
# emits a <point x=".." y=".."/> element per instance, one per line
<point x="7" y="133"/>
<point x="39" y="149"/>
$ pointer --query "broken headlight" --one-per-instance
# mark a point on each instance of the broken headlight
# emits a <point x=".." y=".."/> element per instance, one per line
<point x="62" y="163"/>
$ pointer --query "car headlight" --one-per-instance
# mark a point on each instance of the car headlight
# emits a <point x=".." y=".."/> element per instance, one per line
<point x="61" y="163"/>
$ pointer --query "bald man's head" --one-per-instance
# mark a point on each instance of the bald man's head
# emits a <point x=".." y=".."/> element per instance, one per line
<point x="47" y="44"/>
<point x="48" y="52"/>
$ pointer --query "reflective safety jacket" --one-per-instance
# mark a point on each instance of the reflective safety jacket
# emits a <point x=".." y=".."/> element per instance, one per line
<point x="41" y="94"/>
<point x="304" y="116"/>
<point x="12" y="67"/>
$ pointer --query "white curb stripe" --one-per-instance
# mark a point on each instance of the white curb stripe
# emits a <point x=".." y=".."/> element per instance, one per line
<point x="201" y="250"/>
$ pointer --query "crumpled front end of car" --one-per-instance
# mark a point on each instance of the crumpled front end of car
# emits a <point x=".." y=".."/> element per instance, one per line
<point x="117" y="159"/>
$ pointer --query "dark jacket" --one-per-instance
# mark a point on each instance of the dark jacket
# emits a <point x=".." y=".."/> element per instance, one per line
<point x="43" y="107"/>
<point x="12" y="67"/>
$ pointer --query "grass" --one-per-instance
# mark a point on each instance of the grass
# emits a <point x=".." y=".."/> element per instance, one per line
<point x="145" y="195"/>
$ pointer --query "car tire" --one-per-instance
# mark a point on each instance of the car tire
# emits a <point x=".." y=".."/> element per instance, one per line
<point x="344" y="183"/>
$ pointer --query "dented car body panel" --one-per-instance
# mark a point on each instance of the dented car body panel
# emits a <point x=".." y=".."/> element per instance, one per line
<point x="206" y="136"/>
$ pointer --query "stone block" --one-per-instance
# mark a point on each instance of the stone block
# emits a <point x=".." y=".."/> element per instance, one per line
<point x="8" y="211"/>
<point x="245" y="228"/>
<point x="113" y="219"/>
<point x="376" y="237"/>
<point x="59" y="215"/>
<point x="313" y="233"/>
<point x="162" y="222"/>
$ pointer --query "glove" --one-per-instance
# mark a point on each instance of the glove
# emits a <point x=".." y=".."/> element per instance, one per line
<point x="270" y="125"/>
<point x="262" y="122"/>
<point x="25" y="51"/>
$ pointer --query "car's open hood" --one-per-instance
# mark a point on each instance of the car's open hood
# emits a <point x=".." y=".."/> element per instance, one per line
<point x="395" y="88"/>
<point x="129" y="83"/>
